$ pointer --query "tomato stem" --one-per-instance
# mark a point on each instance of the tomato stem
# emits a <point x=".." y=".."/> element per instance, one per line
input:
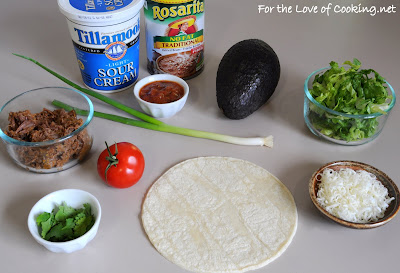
<point x="111" y="158"/>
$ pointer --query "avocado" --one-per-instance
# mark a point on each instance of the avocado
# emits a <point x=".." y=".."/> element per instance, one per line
<point x="247" y="77"/>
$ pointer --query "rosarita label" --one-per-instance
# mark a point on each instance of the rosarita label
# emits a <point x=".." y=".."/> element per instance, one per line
<point x="190" y="7"/>
<point x="175" y="37"/>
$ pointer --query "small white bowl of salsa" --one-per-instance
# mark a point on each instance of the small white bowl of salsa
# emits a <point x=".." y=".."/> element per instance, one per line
<point x="161" y="95"/>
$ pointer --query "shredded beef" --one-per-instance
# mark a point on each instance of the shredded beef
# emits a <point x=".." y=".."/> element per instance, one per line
<point x="44" y="126"/>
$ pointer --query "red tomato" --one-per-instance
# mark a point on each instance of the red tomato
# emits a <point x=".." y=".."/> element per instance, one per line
<point x="121" y="167"/>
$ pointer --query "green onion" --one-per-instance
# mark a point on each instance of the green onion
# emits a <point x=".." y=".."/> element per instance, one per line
<point x="266" y="141"/>
<point x="146" y="121"/>
<point x="101" y="97"/>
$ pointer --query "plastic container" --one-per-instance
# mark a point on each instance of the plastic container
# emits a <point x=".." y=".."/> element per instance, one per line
<point x="105" y="35"/>
<point x="320" y="119"/>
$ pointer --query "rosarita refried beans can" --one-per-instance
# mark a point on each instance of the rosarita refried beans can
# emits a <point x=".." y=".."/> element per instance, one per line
<point x="105" y="35"/>
<point x="175" y="37"/>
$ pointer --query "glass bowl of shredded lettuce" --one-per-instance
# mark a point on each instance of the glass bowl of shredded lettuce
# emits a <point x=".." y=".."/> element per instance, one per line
<point x="346" y="104"/>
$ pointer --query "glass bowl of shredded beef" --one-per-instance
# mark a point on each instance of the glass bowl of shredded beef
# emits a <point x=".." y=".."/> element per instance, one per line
<point x="43" y="138"/>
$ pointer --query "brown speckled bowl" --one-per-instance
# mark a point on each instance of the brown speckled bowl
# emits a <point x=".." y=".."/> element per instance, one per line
<point x="390" y="212"/>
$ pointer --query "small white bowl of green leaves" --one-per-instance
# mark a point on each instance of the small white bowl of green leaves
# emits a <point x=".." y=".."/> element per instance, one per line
<point x="65" y="221"/>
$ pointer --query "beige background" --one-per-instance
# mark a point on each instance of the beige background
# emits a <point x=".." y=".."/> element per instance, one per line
<point x="303" y="43"/>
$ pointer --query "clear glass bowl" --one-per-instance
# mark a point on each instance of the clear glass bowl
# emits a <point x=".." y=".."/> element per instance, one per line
<point x="321" y="119"/>
<point x="53" y="155"/>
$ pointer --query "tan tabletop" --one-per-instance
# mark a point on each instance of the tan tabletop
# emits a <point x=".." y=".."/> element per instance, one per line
<point x="303" y="42"/>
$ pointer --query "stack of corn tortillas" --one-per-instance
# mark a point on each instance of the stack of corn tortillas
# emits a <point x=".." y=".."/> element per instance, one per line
<point x="218" y="214"/>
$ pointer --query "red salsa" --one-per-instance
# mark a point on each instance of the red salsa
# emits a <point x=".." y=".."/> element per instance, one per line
<point x="161" y="92"/>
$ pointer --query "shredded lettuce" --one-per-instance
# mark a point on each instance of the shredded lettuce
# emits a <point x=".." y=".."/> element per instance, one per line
<point x="349" y="90"/>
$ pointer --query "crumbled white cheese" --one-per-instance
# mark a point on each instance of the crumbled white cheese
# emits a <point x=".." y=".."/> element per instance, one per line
<point x="354" y="196"/>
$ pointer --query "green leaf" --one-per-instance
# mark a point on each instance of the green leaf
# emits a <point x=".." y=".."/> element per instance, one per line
<point x="64" y="212"/>
<point x="43" y="217"/>
<point x="54" y="234"/>
<point x="47" y="225"/>
<point x="65" y="223"/>
<point x="82" y="225"/>
<point x="352" y="91"/>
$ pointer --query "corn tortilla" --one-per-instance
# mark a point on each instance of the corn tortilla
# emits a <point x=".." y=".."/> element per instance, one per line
<point x="219" y="214"/>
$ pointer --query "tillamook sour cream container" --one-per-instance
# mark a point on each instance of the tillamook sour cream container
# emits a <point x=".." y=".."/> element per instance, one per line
<point x="105" y="35"/>
<point x="175" y="37"/>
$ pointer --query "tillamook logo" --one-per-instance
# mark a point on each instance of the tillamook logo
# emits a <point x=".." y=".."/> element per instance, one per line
<point x="95" y="38"/>
<point x="90" y="5"/>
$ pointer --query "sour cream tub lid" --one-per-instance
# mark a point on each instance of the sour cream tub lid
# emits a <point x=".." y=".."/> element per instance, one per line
<point x="99" y="11"/>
